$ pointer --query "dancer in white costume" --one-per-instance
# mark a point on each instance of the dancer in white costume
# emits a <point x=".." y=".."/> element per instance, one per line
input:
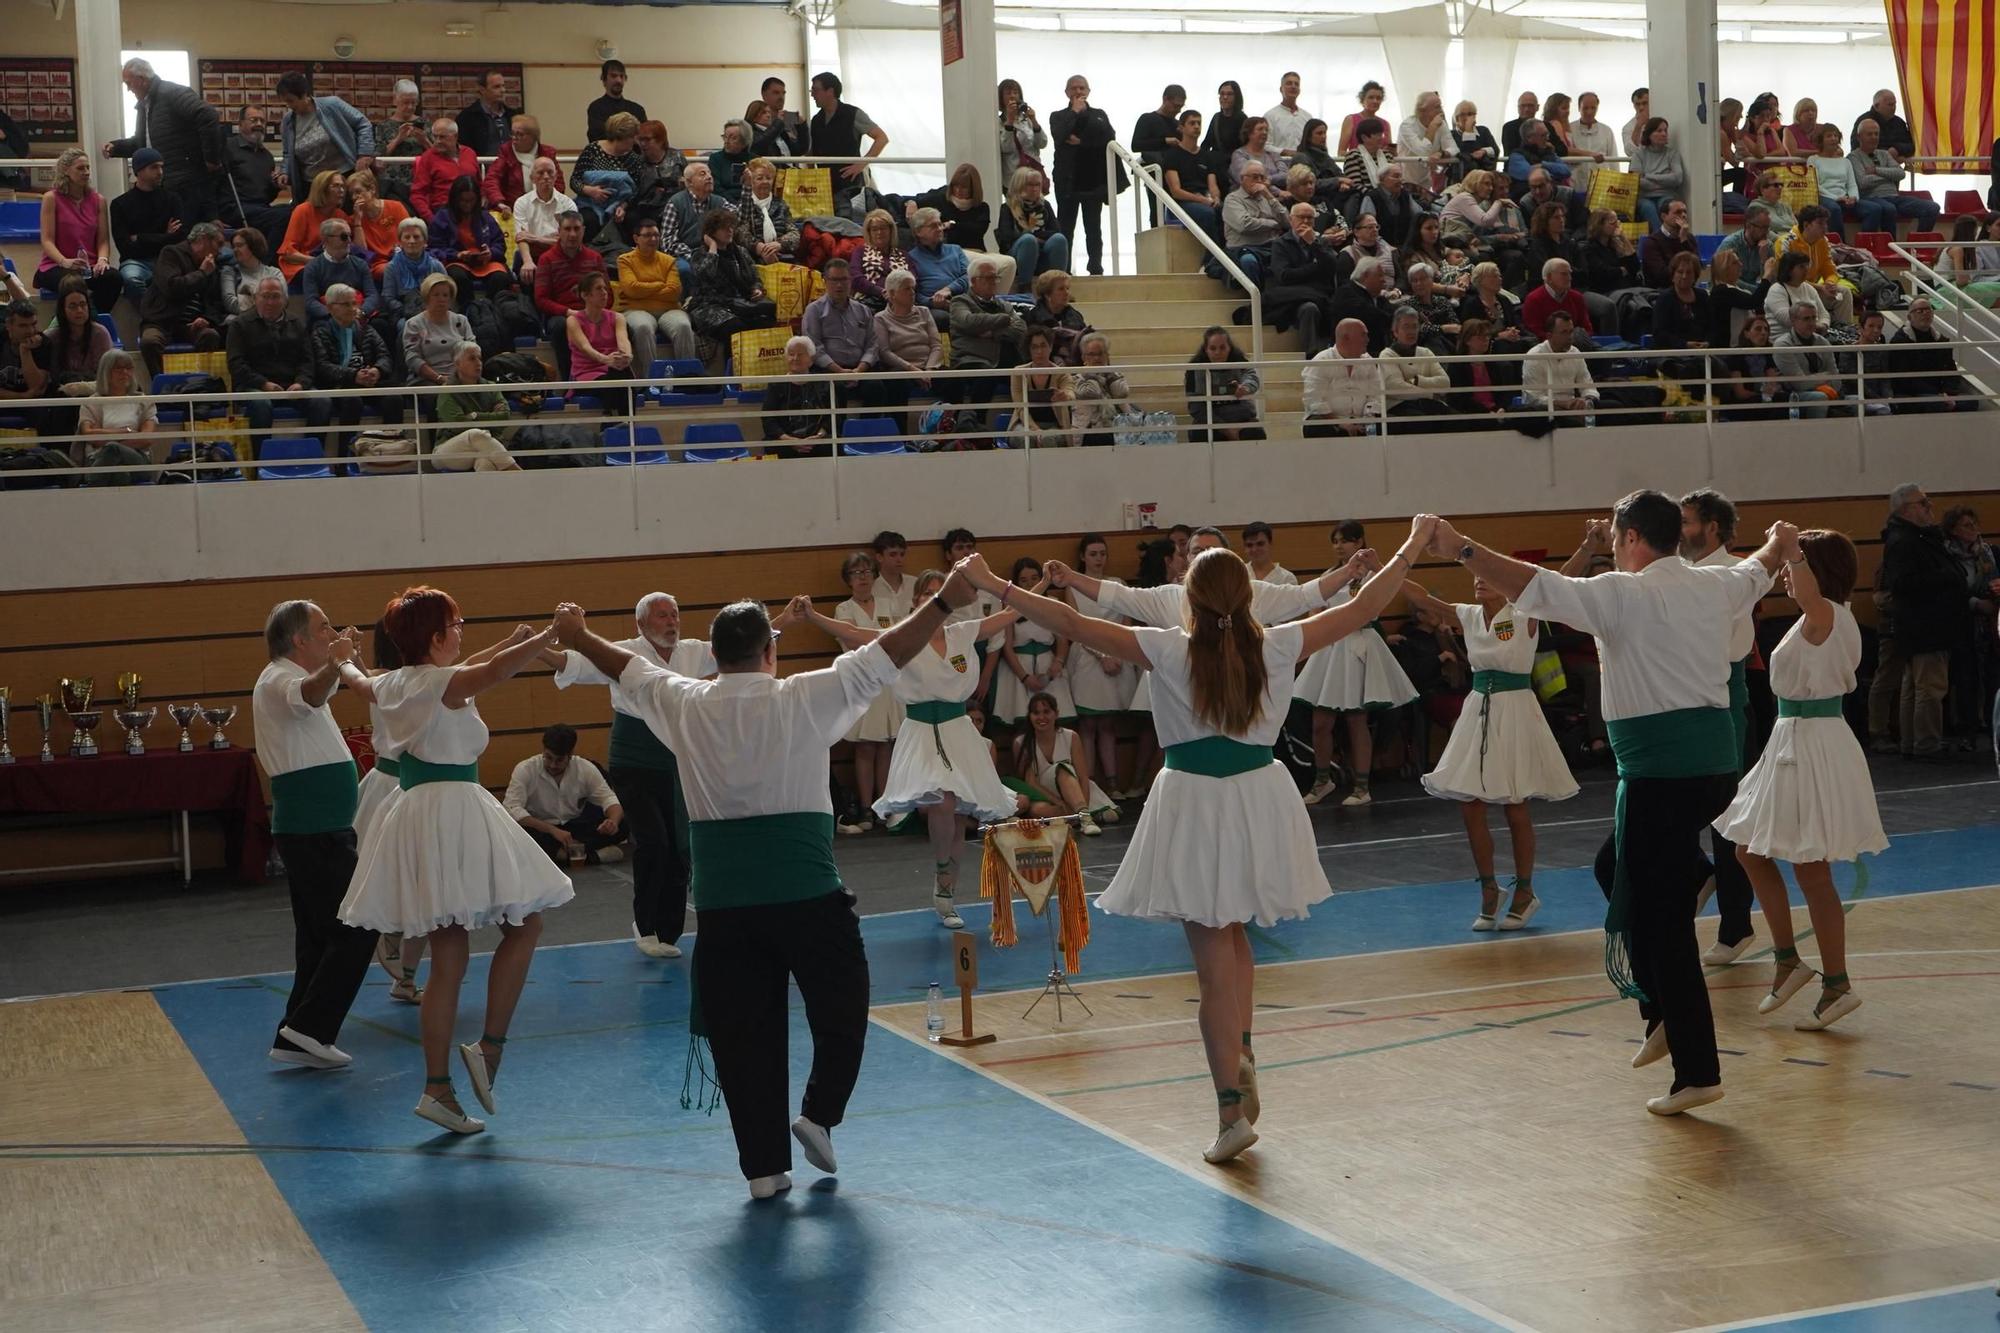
<point x="1501" y="750"/>
<point x="1032" y="660"/>
<point x="1100" y="686"/>
<point x="1224" y="840"/>
<point x="445" y="858"/>
<point x="940" y="765"/>
<point x="398" y="957"/>
<point x="1809" y="800"/>
<point x="1161" y="564"/>
<point x="1258" y="553"/>
<point x="1055" y="772"/>
<point x="870" y="606"/>
<point x="1349" y="680"/>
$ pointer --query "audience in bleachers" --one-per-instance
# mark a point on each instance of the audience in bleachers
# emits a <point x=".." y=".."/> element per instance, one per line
<point x="337" y="264"/>
<point x="432" y="336"/>
<point x="348" y="353"/>
<point x="650" y="296"/>
<point x="185" y="302"/>
<point x="272" y="363"/>
<point x="375" y="220"/>
<point x="405" y="132"/>
<point x="326" y="200"/>
<point x="321" y="134"/>
<point x="773" y="234"/>
<point x="76" y="341"/>
<point x="440" y="165"/>
<point x="1222" y="391"/>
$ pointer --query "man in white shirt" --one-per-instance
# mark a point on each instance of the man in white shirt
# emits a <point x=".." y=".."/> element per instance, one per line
<point x="1288" y="119"/>
<point x="646" y="775"/>
<point x="1663" y="630"/>
<point x="1708" y="525"/>
<point x="1343" y="386"/>
<point x="538" y="215"/>
<point x="314" y="791"/>
<point x="1642" y="111"/>
<point x="1264" y="567"/>
<point x="1588" y="134"/>
<point x="1556" y="378"/>
<point x="773" y="908"/>
<point x="564" y="802"/>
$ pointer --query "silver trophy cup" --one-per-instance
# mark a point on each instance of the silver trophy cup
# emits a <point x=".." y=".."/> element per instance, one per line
<point x="84" y="739"/>
<point x="135" y="721"/>
<point x="6" y="751"/>
<point x="218" y="718"/>
<point x="185" y="714"/>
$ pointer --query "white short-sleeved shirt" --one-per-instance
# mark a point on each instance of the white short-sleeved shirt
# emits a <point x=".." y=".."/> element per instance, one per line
<point x="1662" y="634"/>
<point x="291" y="733"/>
<point x="1279" y="577"/>
<point x="1286" y="127"/>
<point x="895" y="603"/>
<point x="1173" y="697"/>
<point x="849" y="612"/>
<point x="1743" y="632"/>
<point x="416" y="721"/>
<point x="691" y="657"/>
<point x="750" y="744"/>
<point x="1163" y="607"/>
<point x="532" y="792"/>
<point x="929" y="678"/>
<point x="1803" y="670"/>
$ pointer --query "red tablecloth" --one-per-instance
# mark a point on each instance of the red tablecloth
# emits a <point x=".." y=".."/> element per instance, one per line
<point x="159" y="782"/>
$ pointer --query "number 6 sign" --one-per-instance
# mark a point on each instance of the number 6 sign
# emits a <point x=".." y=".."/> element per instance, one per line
<point x="965" y="975"/>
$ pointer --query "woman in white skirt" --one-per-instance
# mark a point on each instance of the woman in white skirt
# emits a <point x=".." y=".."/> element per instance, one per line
<point x="1100" y="686"/>
<point x="444" y="858"/>
<point x="1501" y="750"/>
<point x="1055" y="771"/>
<point x="865" y="608"/>
<point x="398" y="957"/>
<point x="940" y="764"/>
<point x="1223" y="841"/>
<point x="1348" y="681"/>
<point x="1161" y="562"/>
<point x="1032" y="660"/>
<point x="1809" y="800"/>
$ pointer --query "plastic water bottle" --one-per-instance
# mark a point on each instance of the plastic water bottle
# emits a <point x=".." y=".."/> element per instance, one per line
<point x="934" y="1012"/>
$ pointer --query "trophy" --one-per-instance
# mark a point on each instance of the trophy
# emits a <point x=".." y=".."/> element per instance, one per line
<point x="128" y="689"/>
<point x="135" y="721"/>
<point x="217" y="719"/>
<point x="45" y="709"/>
<point x="76" y="694"/>
<point x="6" y="752"/>
<point x="86" y="727"/>
<point x="185" y="714"/>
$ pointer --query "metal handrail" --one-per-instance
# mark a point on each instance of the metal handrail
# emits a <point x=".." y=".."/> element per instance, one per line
<point x="1114" y="153"/>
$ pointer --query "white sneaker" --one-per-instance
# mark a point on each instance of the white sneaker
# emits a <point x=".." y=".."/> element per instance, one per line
<point x="817" y="1143"/>
<point x="458" y="1122"/>
<point x="650" y="946"/>
<point x="607" y="856"/>
<point x="1654" y="1048"/>
<point x="303" y="1059"/>
<point x="1719" y="954"/>
<point x="1685" y="1100"/>
<point x="1320" y="791"/>
<point x="1359" y="796"/>
<point x="668" y="950"/>
<point x="477" y="1071"/>
<point x="1837" y="1008"/>
<point x="335" y="1057"/>
<point x="1794" y="982"/>
<point x="1090" y="829"/>
<point x="1515" y="919"/>
<point x="1110" y="814"/>
<point x="1246" y="1083"/>
<point x="1232" y="1139"/>
<point x="850" y="829"/>
<point x="947" y="914"/>
<point x="763" y="1187"/>
<point x="406" y="991"/>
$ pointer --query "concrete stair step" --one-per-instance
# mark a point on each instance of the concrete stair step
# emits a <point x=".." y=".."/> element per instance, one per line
<point x="1193" y="286"/>
<point x="1170" y="250"/>
<point x="1109" y="315"/>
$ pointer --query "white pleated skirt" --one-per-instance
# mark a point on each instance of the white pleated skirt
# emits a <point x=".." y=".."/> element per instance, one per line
<point x="448" y="854"/>
<point x="378" y="792"/>
<point x="1096" y="692"/>
<point x="1217" y="851"/>
<point x="1142" y="695"/>
<point x="1809" y="797"/>
<point x="1522" y="760"/>
<point x="881" y="722"/>
<point x="1010" y="696"/>
<point x="1357" y="672"/>
<point x="920" y="776"/>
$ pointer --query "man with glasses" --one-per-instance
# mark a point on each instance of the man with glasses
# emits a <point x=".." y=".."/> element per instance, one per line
<point x="253" y="178"/>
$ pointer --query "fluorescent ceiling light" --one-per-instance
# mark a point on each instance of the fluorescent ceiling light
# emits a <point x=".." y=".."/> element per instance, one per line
<point x="1118" y="23"/>
<point x="1237" y="25"/>
<point x="1034" y="22"/>
<point x="1798" y="36"/>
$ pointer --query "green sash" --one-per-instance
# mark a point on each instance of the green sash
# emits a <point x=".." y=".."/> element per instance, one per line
<point x="762" y="859"/>
<point x="1811" y="708"/>
<point x="1217" y="757"/>
<point x="415" y="772"/>
<point x="633" y="745"/>
<point x="936" y="713"/>
<point x="1739" y="709"/>
<point x="1684" y="743"/>
<point x="1486" y="684"/>
<point x="320" y="799"/>
<point x="384" y="764"/>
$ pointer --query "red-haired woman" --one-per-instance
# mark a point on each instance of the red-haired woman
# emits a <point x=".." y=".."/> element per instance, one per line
<point x="1223" y="840"/>
<point x="445" y="858"/>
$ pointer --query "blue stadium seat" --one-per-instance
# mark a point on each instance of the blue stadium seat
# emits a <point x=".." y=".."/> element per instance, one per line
<point x="726" y="435"/>
<point x="111" y="327"/>
<point x="309" y="454"/>
<point x="871" y="437"/>
<point x="1707" y="244"/>
<point x="624" y="447"/>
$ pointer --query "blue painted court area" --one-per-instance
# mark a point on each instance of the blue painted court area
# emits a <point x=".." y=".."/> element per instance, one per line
<point x="595" y="1202"/>
<point x="1952" y="1312"/>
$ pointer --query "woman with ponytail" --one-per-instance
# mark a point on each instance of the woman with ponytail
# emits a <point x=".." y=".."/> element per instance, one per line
<point x="1224" y="840"/>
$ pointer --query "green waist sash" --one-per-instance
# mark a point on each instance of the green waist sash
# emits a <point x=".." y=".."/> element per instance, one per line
<point x="1684" y="743"/>
<point x="934" y="712"/>
<point x="633" y="745"/>
<point x="1739" y="708"/>
<point x="414" y="772"/>
<point x="320" y="799"/>
<point x="1217" y="757"/>
<point x="384" y="764"/>
<point x="762" y="859"/>
<point x="1500" y="682"/>
<point x="1811" y="708"/>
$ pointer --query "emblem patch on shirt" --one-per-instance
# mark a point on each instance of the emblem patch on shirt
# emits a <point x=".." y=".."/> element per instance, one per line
<point x="884" y="621"/>
<point x="1503" y="630"/>
<point x="958" y="664"/>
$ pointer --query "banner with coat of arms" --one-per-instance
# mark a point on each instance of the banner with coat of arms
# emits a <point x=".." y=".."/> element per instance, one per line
<point x="1038" y="859"/>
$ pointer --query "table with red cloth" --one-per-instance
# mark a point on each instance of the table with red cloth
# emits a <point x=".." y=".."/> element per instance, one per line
<point x="160" y="782"/>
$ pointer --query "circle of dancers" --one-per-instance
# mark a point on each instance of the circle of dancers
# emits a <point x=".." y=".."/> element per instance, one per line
<point x="723" y="769"/>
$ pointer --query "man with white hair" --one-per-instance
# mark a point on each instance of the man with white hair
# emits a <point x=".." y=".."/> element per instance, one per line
<point x="271" y="357"/>
<point x="985" y="335"/>
<point x="178" y="123"/>
<point x="1361" y="298"/>
<point x="1253" y="218"/>
<point x="1555" y="377"/>
<point x="1558" y="292"/>
<point x="183" y="302"/>
<point x="349" y="354"/>
<point x="645" y="774"/>
<point x="681" y="227"/>
<point x="337" y="264"/>
<point x="1343" y="386"/>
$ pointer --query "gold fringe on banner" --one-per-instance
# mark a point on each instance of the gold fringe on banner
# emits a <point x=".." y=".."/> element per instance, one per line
<point x="999" y="881"/>
<point x="996" y="884"/>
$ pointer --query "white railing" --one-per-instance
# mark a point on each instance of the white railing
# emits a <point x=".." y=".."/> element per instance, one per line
<point x="1116" y="153"/>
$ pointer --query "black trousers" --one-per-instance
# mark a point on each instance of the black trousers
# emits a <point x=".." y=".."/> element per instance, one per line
<point x="742" y="959"/>
<point x="656" y="817"/>
<point x="582" y="827"/>
<point x="1090" y="204"/>
<point x="1665" y="869"/>
<point x="330" y="959"/>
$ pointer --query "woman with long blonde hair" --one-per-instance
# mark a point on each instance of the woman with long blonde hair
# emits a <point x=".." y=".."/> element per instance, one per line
<point x="1223" y="841"/>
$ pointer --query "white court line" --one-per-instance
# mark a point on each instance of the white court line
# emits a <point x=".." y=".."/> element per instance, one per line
<point x="1208" y="1177"/>
<point x="1413" y="837"/>
<point x="1765" y="1321"/>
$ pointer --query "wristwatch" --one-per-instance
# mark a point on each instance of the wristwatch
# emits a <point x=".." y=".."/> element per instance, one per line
<point x="1465" y="552"/>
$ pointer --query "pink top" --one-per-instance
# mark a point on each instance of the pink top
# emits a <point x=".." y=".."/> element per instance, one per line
<point x="76" y="228"/>
<point x="601" y="335"/>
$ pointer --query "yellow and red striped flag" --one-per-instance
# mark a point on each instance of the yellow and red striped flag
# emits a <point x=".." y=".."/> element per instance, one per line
<point x="1950" y="71"/>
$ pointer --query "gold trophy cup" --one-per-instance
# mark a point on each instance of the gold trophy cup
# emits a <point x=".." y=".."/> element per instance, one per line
<point x="185" y="714"/>
<point x="6" y="752"/>
<point x="76" y="692"/>
<point x="45" y="710"/>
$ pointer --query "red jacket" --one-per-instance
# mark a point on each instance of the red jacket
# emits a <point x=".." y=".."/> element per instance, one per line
<point x="432" y="178"/>
<point x="1540" y="303"/>
<point x="556" y="276"/>
<point x="505" y="181"/>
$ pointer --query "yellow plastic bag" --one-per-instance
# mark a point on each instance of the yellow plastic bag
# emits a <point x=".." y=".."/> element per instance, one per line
<point x="792" y="286"/>
<point x="807" y="191"/>
<point x="1548" y="676"/>
<point x="197" y="363"/>
<point x="1615" y="190"/>
<point x="759" y="351"/>
<point x="1801" y="183"/>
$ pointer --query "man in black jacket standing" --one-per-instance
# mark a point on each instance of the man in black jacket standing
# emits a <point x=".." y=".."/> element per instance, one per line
<point x="178" y="122"/>
<point x="1927" y="596"/>
<point x="1080" y="132"/>
<point x="836" y="130"/>
<point x="1157" y="132"/>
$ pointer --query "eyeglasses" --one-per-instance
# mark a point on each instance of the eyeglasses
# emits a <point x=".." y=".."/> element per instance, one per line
<point x="455" y="624"/>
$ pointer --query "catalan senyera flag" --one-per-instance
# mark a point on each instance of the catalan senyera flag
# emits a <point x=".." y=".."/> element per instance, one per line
<point x="1947" y="59"/>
